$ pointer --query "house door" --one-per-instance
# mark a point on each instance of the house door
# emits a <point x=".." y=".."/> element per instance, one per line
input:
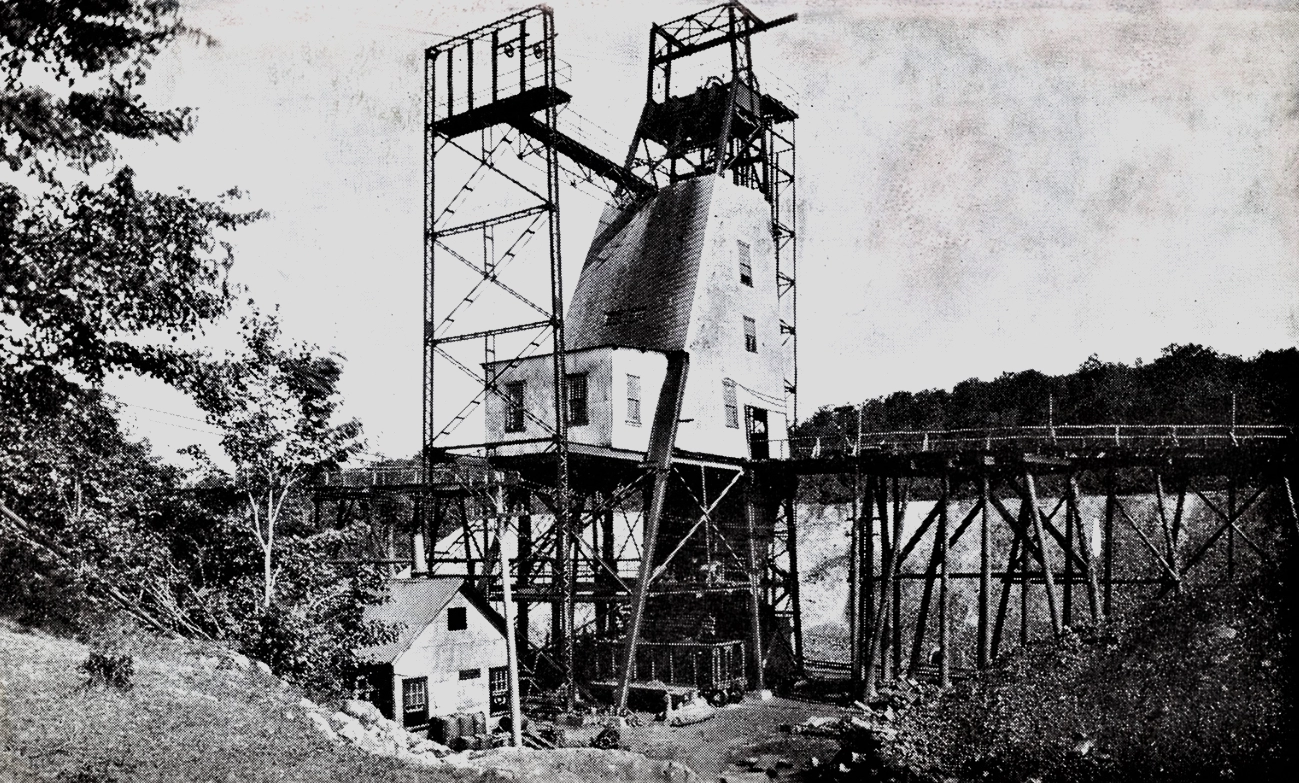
<point x="414" y="702"/>
<point x="756" y="419"/>
<point x="498" y="683"/>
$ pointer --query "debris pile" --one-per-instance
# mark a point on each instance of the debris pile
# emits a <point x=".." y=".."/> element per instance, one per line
<point x="361" y="724"/>
<point x="864" y="736"/>
<point x="697" y="710"/>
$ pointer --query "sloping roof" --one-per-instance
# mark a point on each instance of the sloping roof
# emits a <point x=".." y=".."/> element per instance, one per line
<point x="414" y="603"/>
<point x="637" y="286"/>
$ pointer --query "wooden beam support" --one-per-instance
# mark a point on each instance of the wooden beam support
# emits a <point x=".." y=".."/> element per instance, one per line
<point x="1173" y="577"/>
<point x="855" y="631"/>
<point x="944" y="635"/>
<point x="1084" y="544"/>
<point x="1004" y="605"/>
<point x="1036" y="517"/>
<point x="983" y="657"/>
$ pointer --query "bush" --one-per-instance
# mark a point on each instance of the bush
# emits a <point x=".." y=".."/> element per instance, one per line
<point x="116" y="671"/>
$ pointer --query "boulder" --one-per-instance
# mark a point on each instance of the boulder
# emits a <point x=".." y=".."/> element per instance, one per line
<point x="363" y="711"/>
<point x="1224" y="633"/>
<point x="693" y="712"/>
<point x="355" y="734"/>
<point x="262" y="667"/>
<point x="430" y="747"/>
<point x="340" y="719"/>
<point x="322" y="724"/>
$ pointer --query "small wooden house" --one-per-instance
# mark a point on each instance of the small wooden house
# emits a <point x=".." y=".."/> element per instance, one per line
<point x="449" y="656"/>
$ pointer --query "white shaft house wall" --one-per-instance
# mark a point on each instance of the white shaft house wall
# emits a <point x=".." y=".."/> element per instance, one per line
<point x="666" y="277"/>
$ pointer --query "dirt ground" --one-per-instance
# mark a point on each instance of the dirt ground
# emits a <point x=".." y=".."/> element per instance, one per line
<point x="718" y="747"/>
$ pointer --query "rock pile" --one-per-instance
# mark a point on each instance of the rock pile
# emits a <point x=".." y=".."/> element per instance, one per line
<point x="361" y="724"/>
<point x="864" y="736"/>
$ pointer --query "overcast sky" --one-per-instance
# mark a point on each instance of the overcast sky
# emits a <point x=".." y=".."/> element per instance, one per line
<point x="983" y="187"/>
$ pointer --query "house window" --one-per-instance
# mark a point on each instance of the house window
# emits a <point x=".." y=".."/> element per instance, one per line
<point x="514" y="406"/>
<point x="364" y="690"/>
<point x="414" y="694"/>
<point x="750" y="335"/>
<point x="457" y="619"/>
<point x="732" y="407"/>
<point x="498" y="688"/>
<point x="633" y="399"/>
<point x="746" y="265"/>
<point x="576" y="385"/>
<point x="470" y="674"/>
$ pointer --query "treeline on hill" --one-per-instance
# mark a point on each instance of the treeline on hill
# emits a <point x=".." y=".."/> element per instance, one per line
<point x="102" y="277"/>
<point x="1187" y="384"/>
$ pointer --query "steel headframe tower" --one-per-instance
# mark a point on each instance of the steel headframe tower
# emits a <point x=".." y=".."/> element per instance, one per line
<point x="506" y="192"/>
<point x="725" y="128"/>
<point x="491" y="131"/>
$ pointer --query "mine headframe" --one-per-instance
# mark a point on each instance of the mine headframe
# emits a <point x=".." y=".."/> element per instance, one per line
<point x="725" y="124"/>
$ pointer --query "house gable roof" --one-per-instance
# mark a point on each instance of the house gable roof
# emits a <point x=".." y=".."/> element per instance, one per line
<point x="415" y="603"/>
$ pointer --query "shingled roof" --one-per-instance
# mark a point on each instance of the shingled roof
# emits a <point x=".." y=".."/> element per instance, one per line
<point x="414" y="603"/>
<point x="637" y="286"/>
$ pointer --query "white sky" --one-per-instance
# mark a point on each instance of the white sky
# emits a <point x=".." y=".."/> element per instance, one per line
<point x="983" y="187"/>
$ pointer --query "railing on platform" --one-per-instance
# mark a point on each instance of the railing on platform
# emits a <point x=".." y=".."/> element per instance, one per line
<point x="1086" y="437"/>
<point x="707" y="666"/>
<point x="406" y="475"/>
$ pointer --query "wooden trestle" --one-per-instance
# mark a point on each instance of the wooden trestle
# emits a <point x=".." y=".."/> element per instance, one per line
<point x="1060" y="539"/>
<point x="1242" y="477"/>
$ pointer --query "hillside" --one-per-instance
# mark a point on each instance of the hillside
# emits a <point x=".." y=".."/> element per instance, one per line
<point x="196" y="714"/>
<point x="1195" y="689"/>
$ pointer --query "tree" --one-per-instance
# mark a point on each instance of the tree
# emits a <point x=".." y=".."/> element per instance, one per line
<point x="97" y="276"/>
<point x="93" y="269"/>
<point x="274" y="405"/>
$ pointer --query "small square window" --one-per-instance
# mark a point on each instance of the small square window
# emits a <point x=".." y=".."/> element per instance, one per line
<point x="633" y="399"/>
<point x="576" y="386"/>
<point x="732" y="407"/>
<point x="750" y="335"/>
<point x="457" y="619"/>
<point x="470" y="674"/>
<point x="514" y="406"/>
<point x="746" y="264"/>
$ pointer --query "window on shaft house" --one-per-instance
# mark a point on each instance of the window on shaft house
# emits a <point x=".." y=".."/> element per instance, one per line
<point x="750" y="335"/>
<point x="576" y="385"/>
<point x="514" y="406"/>
<point x="633" y="399"/>
<point x="732" y="407"/>
<point x="746" y="264"/>
<point x="457" y="619"/>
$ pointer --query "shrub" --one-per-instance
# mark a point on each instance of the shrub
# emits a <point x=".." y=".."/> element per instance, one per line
<point x="116" y="671"/>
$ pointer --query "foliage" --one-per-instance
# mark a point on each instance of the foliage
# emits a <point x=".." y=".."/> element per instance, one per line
<point x="107" y="669"/>
<point x="1198" y="687"/>
<point x="1187" y="384"/>
<point x="94" y="493"/>
<point x="93" y="269"/>
<point x="96" y="276"/>
<point x="99" y="276"/>
<point x="274" y="406"/>
<point x="314" y="638"/>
